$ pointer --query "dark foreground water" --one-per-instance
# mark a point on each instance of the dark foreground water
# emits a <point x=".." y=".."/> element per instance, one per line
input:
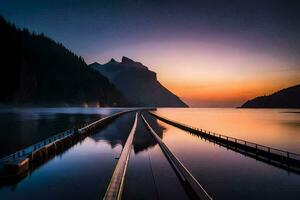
<point x="84" y="171"/>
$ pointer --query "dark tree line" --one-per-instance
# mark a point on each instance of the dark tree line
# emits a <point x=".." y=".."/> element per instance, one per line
<point x="37" y="70"/>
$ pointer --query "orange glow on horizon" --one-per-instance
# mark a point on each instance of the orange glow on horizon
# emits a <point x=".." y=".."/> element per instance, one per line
<point x="215" y="73"/>
<point x="226" y="94"/>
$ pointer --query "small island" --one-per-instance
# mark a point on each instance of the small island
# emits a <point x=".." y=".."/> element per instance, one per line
<point x="285" y="98"/>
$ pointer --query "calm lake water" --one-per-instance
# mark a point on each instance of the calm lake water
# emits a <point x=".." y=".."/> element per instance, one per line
<point x="278" y="128"/>
<point x="84" y="170"/>
<point x="229" y="175"/>
<point x="21" y="127"/>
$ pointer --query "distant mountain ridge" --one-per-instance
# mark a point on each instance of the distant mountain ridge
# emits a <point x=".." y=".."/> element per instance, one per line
<point x="285" y="98"/>
<point x="35" y="70"/>
<point x="138" y="84"/>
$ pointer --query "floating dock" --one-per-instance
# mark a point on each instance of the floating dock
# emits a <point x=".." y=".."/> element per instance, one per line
<point x="17" y="165"/>
<point x="279" y="158"/>
<point x="194" y="188"/>
<point x="116" y="184"/>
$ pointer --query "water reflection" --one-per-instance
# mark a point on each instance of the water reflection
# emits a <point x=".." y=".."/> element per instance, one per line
<point x="227" y="174"/>
<point x="278" y="128"/>
<point x="23" y="127"/>
<point x="277" y="160"/>
<point x="19" y="131"/>
<point x="149" y="174"/>
<point x="84" y="170"/>
<point x="81" y="172"/>
<point x="144" y="141"/>
<point x="141" y="142"/>
<point x="113" y="134"/>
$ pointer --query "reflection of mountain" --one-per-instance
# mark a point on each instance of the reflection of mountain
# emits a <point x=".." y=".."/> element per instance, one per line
<point x="143" y="139"/>
<point x="117" y="132"/>
<point x="285" y="98"/>
<point x="138" y="84"/>
<point x="114" y="133"/>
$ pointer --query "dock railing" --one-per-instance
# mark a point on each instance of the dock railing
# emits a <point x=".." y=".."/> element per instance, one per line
<point x="290" y="159"/>
<point x="83" y="128"/>
<point x="192" y="185"/>
<point x="28" y="150"/>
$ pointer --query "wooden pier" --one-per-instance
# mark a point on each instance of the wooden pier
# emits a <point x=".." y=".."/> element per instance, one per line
<point x="279" y="158"/>
<point x="116" y="185"/>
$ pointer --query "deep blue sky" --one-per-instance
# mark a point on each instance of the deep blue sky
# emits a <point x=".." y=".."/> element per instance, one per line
<point x="149" y="30"/>
<point x="89" y="25"/>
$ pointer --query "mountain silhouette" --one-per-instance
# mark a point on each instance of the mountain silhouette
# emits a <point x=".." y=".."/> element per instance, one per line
<point x="35" y="70"/>
<point x="285" y="98"/>
<point x="138" y="84"/>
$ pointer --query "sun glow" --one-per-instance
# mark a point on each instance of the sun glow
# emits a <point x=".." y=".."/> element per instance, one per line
<point x="214" y="73"/>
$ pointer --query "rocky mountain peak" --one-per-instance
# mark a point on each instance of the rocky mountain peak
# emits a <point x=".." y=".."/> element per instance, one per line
<point x="126" y="60"/>
<point x="113" y="61"/>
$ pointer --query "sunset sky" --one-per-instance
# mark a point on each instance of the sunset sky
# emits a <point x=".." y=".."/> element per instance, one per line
<point x="209" y="53"/>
